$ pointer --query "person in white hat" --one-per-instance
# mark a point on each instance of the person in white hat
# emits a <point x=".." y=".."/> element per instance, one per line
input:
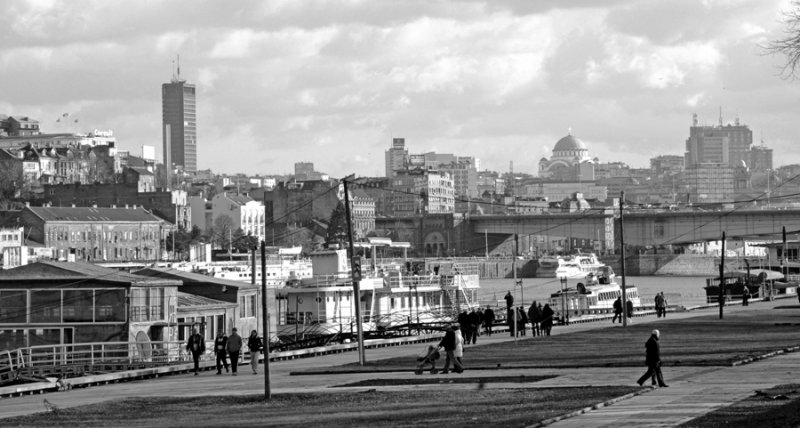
<point x="653" y="360"/>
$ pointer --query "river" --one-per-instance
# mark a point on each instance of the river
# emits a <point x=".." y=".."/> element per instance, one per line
<point x="680" y="290"/>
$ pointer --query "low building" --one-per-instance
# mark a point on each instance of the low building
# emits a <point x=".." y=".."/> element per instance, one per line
<point x="12" y="250"/>
<point x="53" y="303"/>
<point x="245" y="313"/>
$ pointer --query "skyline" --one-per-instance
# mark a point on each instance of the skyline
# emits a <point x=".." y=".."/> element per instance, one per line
<point x="333" y="82"/>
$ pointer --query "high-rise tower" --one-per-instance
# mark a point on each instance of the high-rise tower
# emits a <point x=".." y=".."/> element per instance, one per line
<point x="179" y="130"/>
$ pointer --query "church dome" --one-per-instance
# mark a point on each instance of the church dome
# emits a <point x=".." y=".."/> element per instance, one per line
<point x="569" y="143"/>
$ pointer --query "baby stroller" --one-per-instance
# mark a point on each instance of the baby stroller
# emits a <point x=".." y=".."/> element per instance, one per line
<point x="428" y="356"/>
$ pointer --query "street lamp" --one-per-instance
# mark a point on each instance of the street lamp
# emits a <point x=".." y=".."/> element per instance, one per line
<point x="564" y="311"/>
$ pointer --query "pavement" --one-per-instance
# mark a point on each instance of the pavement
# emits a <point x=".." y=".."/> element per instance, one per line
<point x="692" y="392"/>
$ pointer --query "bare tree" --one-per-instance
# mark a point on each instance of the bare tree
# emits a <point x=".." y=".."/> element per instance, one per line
<point x="789" y="45"/>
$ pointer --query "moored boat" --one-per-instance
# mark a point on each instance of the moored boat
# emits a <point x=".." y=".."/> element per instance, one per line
<point x="598" y="291"/>
<point x="579" y="266"/>
<point x="390" y="297"/>
<point x="760" y="283"/>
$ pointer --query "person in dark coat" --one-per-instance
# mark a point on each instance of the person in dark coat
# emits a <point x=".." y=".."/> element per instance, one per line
<point x="222" y="354"/>
<point x="234" y="347"/>
<point x="617" y="310"/>
<point x="254" y="345"/>
<point x="653" y="360"/>
<point x="197" y="346"/>
<point x="629" y="307"/>
<point x="488" y="320"/>
<point x="533" y="318"/>
<point x="509" y="300"/>
<point x="448" y="342"/>
<point x="474" y="320"/>
<point x="547" y="319"/>
<point x="463" y="324"/>
<point x="745" y="296"/>
<point x="522" y="319"/>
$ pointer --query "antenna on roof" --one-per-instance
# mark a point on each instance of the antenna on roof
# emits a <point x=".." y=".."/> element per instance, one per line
<point x="720" y="115"/>
<point x="179" y="67"/>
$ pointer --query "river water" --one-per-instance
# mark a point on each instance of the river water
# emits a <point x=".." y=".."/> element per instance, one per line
<point x="680" y="290"/>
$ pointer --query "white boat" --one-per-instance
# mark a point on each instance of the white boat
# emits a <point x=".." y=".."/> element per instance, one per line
<point x="579" y="266"/>
<point x="597" y="291"/>
<point x="278" y="270"/>
<point x="389" y="296"/>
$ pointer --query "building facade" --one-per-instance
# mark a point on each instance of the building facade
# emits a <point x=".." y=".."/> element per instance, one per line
<point x="396" y="156"/>
<point x="179" y="130"/>
<point x="421" y="191"/>
<point x="247" y="214"/>
<point x="95" y="234"/>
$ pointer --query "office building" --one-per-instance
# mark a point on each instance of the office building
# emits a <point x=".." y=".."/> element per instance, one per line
<point x="179" y="127"/>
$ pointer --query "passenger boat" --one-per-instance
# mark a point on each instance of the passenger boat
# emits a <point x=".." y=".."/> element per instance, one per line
<point x="598" y="291"/>
<point x="548" y="263"/>
<point x="579" y="266"/>
<point x="762" y="283"/>
<point x="390" y="296"/>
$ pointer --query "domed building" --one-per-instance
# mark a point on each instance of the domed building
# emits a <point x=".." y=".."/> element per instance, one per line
<point x="570" y="161"/>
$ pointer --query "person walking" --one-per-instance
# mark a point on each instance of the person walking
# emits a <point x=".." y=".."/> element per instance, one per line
<point x="474" y="325"/>
<point x="197" y="346"/>
<point x="449" y="343"/>
<point x="745" y="296"/>
<point x="222" y="354"/>
<point x="458" y="353"/>
<point x="234" y="347"/>
<point x="653" y="360"/>
<point x="617" y="310"/>
<point x="254" y="345"/>
<point x="488" y="320"/>
<point x="522" y="319"/>
<point x="547" y="319"/>
<point x="629" y="307"/>
<point x="533" y="318"/>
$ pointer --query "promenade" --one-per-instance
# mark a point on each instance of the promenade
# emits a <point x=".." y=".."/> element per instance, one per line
<point x="693" y="391"/>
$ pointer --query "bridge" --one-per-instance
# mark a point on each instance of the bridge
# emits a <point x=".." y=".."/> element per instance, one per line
<point x="645" y="228"/>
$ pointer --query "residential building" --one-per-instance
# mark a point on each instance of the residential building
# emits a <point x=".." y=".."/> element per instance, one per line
<point x="666" y="164"/>
<point x="245" y="212"/>
<point x="179" y="117"/>
<point x="95" y="234"/>
<point x="362" y="213"/>
<point x="422" y="192"/>
<point x="560" y="190"/>
<point x="53" y="303"/>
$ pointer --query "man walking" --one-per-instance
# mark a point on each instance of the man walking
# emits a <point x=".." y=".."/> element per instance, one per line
<point x="219" y="348"/>
<point x="233" y="347"/>
<point x="197" y="346"/>
<point x="653" y="360"/>
<point x="617" y="310"/>
<point x="448" y="342"/>
<point x="488" y="319"/>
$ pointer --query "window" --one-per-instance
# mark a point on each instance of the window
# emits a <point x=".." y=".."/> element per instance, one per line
<point x="46" y="306"/>
<point x="109" y="305"/>
<point x="78" y="305"/>
<point x="13" y="306"/>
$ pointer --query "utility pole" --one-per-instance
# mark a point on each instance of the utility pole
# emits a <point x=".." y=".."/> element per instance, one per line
<point x="722" y="278"/>
<point x="622" y="259"/>
<point x="265" y="318"/>
<point x="356" y="273"/>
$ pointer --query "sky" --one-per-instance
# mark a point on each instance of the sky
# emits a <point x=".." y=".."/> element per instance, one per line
<point x="332" y="82"/>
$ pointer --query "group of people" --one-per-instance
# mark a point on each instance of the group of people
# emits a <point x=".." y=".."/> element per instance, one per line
<point x="540" y="317"/>
<point x="661" y="305"/>
<point x="618" y="310"/>
<point x="224" y="347"/>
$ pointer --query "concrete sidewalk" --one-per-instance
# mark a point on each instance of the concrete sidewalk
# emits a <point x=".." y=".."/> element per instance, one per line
<point x="693" y="391"/>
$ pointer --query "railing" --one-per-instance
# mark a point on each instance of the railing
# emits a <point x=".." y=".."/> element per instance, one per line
<point x="44" y="359"/>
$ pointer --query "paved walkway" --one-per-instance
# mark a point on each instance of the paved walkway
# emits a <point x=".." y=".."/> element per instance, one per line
<point x="693" y="391"/>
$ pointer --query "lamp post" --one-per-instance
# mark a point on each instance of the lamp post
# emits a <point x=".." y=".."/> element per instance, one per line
<point x="564" y="312"/>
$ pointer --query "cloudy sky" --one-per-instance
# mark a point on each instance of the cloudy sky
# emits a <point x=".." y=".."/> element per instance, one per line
<point x="331" y="82"/>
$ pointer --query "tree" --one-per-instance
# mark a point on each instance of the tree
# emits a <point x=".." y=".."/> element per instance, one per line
<point x="223" y="231"/>
<point x="337" y="227"/>
<point x="789" y="45"/>
<point x="243" y="243"/>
